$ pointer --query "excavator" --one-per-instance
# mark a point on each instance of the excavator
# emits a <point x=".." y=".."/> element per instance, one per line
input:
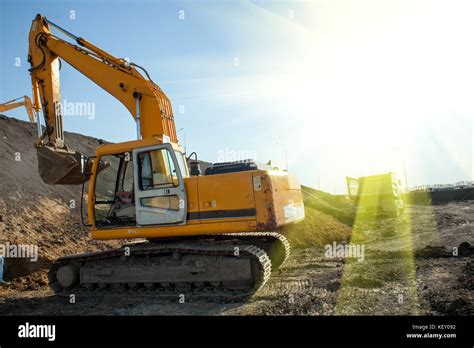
<point x="217" y="233"/>
<point x="14" y="103"/>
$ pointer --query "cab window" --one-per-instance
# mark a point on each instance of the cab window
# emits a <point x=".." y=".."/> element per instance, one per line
<point x="156" y="170"/>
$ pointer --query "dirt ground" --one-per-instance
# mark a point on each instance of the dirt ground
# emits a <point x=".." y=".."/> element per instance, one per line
<point x="408" y="268"/>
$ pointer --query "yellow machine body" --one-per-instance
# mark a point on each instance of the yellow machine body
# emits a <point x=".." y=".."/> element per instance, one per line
<point x="254" y="200"/>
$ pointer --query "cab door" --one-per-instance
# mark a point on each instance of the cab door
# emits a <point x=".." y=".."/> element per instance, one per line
<point x="160" y="194"/>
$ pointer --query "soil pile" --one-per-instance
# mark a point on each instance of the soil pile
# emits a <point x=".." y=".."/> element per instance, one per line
<point x="33" y="213"/>
<point x="317" y="229"/>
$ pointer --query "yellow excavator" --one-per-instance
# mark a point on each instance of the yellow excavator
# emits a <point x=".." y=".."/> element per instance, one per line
<point x="216" y="233"/>
<point x="14" y="103"/>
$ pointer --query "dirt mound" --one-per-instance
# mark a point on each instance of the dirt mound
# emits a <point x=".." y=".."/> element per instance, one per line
<point x="18" y="164"/>
<point x="336" y="201"/>
<point x="33" y="213"/>
<point x="317" y="229"/>
<point x="328" y="219"/>
<point x="339" y="207"/>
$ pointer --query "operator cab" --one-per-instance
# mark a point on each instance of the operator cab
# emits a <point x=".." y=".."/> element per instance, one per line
<point x="141" y="187"/>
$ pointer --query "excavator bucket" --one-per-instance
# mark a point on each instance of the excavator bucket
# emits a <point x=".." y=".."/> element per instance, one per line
<point x="60" y="167"/>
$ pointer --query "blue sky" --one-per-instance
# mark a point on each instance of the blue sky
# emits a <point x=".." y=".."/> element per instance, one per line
<point x="348" y="87"/>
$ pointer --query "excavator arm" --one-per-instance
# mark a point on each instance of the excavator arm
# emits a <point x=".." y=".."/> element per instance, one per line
<point x="12" y="104"/>
<point x="144" y="99"/>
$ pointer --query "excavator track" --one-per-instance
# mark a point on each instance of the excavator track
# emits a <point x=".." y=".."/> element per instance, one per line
<point x="154" y="269"/>
<point x="275" y="244"/>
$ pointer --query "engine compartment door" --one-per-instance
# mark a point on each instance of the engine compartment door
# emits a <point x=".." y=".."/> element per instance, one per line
<point x="228" y="196"/>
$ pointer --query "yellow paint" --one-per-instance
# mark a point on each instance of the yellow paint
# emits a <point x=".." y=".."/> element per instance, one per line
<point x="189" y="229"/>
<point x="230" y="191"/>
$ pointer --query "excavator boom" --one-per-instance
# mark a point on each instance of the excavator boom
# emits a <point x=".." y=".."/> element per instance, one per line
<point x="144" y="99"/>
